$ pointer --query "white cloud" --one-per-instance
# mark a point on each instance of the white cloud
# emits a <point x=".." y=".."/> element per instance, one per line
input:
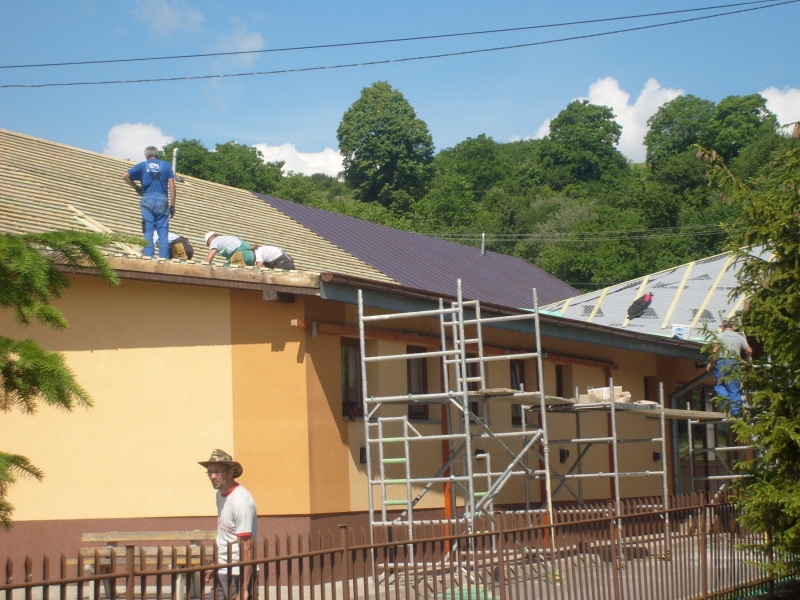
<point x="784" y="103"/>
<point x="632" y="117"/>
<point x="128" y="140"/>
<point x="329" y="161"/>
<point x="544" y="129"/>
<point x="241" y="40"/>
<point x="167" y="17"/>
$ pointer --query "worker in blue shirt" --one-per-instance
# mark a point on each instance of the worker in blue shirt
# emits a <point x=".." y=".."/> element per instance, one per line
<point x="157" y="189"/>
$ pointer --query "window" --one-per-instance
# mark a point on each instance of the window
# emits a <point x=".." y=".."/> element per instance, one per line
<point x="560" y="381"/>
<point x="417" y="378"/>
<point x="352" y="407"/>
<point x="517" y="383"/>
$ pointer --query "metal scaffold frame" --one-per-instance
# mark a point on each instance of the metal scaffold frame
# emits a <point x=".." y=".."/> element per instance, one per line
<point x="469" y="427"/>
<point x="390" y="439"/>
<point x="714" y="455"/>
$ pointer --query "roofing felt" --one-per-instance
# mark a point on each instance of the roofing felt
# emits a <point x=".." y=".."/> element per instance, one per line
<point x="686" y="299"/>
<point x="425" y="263"/>
<point x="47" y="186"/>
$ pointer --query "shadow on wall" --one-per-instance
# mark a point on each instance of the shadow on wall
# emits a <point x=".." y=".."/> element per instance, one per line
<point x="141" y="314"/>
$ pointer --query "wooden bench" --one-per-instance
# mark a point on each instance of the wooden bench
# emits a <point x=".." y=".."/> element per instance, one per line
<point x="105" y="559"/>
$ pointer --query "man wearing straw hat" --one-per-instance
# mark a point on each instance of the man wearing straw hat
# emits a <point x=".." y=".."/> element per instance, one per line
<point x="237" y="527"/>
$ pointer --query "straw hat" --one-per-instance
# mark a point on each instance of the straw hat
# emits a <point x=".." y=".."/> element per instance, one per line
<point x="223" y="458"/>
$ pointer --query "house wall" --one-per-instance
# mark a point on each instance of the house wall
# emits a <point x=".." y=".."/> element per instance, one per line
<point x="156" y="360"/>
<point x="270" y="407"/>
<point x="176" y="371"/>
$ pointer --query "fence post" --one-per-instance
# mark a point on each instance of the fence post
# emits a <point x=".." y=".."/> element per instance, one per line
<point x="130" y="576"/>
<point x="345" y="562"/>
<point x="613" y="540"/>
<point x="770" y="562"/>
<point x="501" y="555"/>
<point x="703" y="547"/>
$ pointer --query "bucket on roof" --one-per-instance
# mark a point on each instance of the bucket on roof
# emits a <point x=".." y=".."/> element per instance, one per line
<point x="682" y="332"/>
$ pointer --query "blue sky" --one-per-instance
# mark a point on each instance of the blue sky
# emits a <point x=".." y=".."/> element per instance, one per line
<point x="507" y="94"/>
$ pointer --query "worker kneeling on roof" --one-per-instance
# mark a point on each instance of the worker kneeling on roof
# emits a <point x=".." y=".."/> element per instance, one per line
<point x="157" y="190"/>
<point x="236" y="250"/>
<point x="179" y="247"/>
<point x="272" y="257"/>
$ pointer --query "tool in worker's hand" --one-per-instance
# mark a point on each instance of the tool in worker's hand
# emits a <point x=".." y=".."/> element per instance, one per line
<point x="171" y="211"/>
<point x="139" y="190"/>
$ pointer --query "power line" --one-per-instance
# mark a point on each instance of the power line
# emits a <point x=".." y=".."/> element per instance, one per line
<point x="384" y="41"/>
<point x="393" y="60"/>
<point x="606" y="232"/>
<point x="583" y="237"/>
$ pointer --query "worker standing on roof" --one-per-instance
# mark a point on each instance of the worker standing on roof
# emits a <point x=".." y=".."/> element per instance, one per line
<point x="236" y="250"/>
<point x="272" y="257"/>
<point x="728" y="352"/>
<point x="157" y="189"/>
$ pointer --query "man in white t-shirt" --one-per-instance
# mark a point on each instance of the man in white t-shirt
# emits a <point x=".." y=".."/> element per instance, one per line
<point x="272" y="257"/>
<point x="237" y="528"/>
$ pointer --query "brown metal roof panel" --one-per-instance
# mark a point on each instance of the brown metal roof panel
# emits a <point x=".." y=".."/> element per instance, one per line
<point x="432" y="264"/>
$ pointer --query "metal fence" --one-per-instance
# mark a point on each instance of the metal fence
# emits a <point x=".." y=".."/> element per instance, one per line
<point x="692" y="549"/>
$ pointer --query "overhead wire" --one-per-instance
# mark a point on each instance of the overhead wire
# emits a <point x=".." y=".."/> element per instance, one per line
<point x="383" y="41"/>
<point x="393" y="60"/>
<point x="590" y="236"/>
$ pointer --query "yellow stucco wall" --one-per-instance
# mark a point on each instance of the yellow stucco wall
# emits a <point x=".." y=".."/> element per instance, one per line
<point x="176" y="371"/>
<point x="269" y="397"/>
<point x="156" y="360"/>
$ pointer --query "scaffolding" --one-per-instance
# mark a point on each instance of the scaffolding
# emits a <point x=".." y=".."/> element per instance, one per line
<point x="470" y="477"/>
<point x="391" y="438"/>
<point x="713" y="454"/>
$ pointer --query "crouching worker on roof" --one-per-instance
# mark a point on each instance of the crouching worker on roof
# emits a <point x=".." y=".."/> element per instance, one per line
<point x="728" y="354"/>
<point x="237" y="530"/>
<point x="179" y="247"/>
<point x="236" y="250"/>
<point x="157" y="189"/>
<point x="272" y="257"/>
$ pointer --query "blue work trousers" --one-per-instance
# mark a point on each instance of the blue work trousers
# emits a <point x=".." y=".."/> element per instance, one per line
<point x="728" y="385"/>
<point x="155" y="214"/>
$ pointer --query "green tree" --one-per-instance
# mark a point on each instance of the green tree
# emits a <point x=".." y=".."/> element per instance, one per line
<point x="736" y="121"/>
<point x="476" y="160"/>
<point x="233" y="164"/>
<point x="243" y="167"/>
<point x="31" y="277"/>
<point x="296" y="187"/>
<point x="770" y="218"/>
<point x="449" y="206"/>
<point x="193" y="157"/>
<point x="675" y="127"/>
<point x="387" y="151"/>
<point x="582" y="146"/>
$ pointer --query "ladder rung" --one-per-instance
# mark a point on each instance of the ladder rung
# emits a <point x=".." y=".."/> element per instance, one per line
<point x="468" y="379"/>
<point x="395" y="502"/>
<point x="393" y="461"/>
<point x="479" y="494"/>
<point x="395" y="481"/>
<point x="391" y="440"/>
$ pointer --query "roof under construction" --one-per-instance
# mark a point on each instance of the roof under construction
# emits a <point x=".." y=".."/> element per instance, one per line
<point x="685" y="299"/>
<point x="48" y="186"/>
